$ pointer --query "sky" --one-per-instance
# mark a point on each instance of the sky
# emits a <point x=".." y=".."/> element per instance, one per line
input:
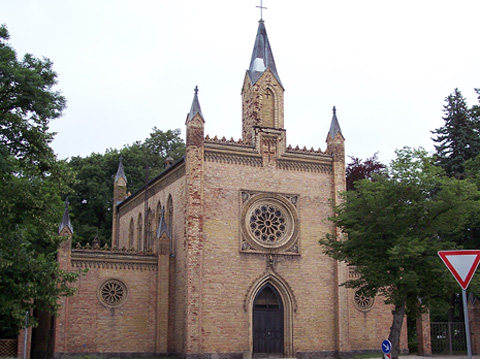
<point x="126" y="66"/>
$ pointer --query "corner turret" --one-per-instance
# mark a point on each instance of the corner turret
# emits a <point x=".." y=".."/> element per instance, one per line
<point x="194" y="173"/>
<point x="335" y="140"/>
<point x="119" y="194"/>
<point x="65" y="228"/>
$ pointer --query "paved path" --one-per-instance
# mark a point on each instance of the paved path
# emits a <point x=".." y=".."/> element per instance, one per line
<point x="433" y="357"/>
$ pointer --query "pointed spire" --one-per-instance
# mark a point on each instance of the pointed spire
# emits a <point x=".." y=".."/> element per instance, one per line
<point x="262" y="56"/>
<point x="195" y="107"/>
<point x="65" y="220"/>
<point x="162" y="225"/>
<point x="334" y="125"/>
<point x="120" y="170"/>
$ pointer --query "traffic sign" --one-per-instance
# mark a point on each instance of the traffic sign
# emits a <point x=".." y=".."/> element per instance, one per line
<point x="387" y="356"/>
<point x="462" y="264"/>
<point x="386" y="346"/>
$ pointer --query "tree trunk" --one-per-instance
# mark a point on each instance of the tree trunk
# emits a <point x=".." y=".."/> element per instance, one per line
<point x="396" y="328"/>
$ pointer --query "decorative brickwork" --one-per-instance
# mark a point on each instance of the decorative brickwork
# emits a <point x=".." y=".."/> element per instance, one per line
<point x="269" y="223"/>
<point x="232" y="158"/>
<point x="223" y="140"/>
<point x="112" y="293"/>
<point x="304" y="166"/>
<point x="240" y="216"/>
<point x="304" y="150"/>
<point x="82" y="258"/>
<point x="262" y="104"/>
<point x="362" y="302"/>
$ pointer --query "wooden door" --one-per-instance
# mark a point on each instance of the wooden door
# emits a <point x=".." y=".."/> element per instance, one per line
<point x="268" y="323"/>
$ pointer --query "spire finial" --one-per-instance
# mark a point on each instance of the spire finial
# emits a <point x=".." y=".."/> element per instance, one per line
<point x="334" y="125"/>
<point x="120" y="170"/>
<point x="261" y="9"/>
<point x="65" y="220"/>
<point x="195" y="106"/>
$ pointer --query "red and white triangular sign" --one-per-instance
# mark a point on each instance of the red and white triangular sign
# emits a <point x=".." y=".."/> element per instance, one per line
<point x="462" y="264"/>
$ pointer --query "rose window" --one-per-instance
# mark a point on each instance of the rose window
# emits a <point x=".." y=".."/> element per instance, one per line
<point x="362" y="302"/>
<point x="112" y="292"/>
<point x="267" y="223"/>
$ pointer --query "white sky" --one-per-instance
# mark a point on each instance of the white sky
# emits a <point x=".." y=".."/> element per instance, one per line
<point x="126" y="66"/>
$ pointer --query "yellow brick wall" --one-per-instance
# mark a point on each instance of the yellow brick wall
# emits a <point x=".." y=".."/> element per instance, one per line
<point x="228" y="274"/>
<point x="94" y="328"/>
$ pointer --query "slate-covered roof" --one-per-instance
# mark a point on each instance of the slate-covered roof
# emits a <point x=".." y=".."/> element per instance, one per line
<point x="162" y="225"/>
<point x="334" y="125"/>
<point x="65" y="220"/>
<point x="120" y="170"/>
<point x="195" y="107"/>
<point x="262" y="56"/>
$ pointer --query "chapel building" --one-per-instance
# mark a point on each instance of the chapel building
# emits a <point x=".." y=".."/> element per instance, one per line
<point x="218" y="256"/>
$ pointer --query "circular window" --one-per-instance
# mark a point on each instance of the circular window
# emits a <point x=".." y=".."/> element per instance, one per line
<point x="269" y="221"/>
<point x="362" y="302"/>
<point x="112" y="292"/>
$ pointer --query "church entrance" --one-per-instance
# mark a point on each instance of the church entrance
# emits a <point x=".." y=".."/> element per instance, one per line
<point x="268" y="323"/>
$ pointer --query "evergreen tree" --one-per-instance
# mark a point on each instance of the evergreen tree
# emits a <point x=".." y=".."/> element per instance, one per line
<point x="459" y="139"/>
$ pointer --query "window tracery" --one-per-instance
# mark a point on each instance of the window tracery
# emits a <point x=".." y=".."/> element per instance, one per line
<point x="112" y="293"/>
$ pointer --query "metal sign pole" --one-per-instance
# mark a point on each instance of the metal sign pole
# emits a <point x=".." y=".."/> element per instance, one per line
<point x="26" y="336"/>
<point x="467" y="323"/>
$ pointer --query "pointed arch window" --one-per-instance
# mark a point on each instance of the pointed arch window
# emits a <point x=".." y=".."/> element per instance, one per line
<point x="131" y="233"/>
<point x="169" y="218"/>
<point x="158" y="215"/>
<point x="268" y="108"/>
<point x="149" y="233"/>
<point x="139" y="232"/>
<point x="268" y="298"/>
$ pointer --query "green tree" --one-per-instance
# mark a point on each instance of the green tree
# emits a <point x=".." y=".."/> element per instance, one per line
<point x="92" y="199"/>
<point x="459" y="138"/>
<point x="393" y="228"/>
<point x="161" y="144"/>
<point x="31" y="182"/>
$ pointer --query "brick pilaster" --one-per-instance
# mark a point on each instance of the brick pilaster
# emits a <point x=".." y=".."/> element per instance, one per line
<point x="194" y="162"/>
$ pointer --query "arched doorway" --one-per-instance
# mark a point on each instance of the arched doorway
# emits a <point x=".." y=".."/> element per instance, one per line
<point x="268" y="331"/>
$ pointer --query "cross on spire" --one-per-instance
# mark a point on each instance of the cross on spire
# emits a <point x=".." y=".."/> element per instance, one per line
<point x="261" y="9"/>
<point x="196" y="90"/>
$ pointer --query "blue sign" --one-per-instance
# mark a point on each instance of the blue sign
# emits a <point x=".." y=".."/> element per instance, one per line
<point x="386" y="346"/>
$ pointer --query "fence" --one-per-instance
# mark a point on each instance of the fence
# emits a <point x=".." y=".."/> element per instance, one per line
<point x="8" y="348"/>
<point x="448" y="338"/>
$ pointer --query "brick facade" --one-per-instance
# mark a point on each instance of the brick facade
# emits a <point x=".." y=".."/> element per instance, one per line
<point x="191" y="290"/>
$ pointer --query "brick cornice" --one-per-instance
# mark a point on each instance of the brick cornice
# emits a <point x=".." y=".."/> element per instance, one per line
<point x="82" y="258"/>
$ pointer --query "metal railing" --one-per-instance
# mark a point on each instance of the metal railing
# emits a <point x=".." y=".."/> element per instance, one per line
<point x="448" y="338"/>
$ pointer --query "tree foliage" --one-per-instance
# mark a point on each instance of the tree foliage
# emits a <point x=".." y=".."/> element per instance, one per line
<point x="394" y="227"/>
<point x="92" y="200"/>
<point x="459" y="138"/>
<point x="31" y="182"/>
<point x="357" y="169"/>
